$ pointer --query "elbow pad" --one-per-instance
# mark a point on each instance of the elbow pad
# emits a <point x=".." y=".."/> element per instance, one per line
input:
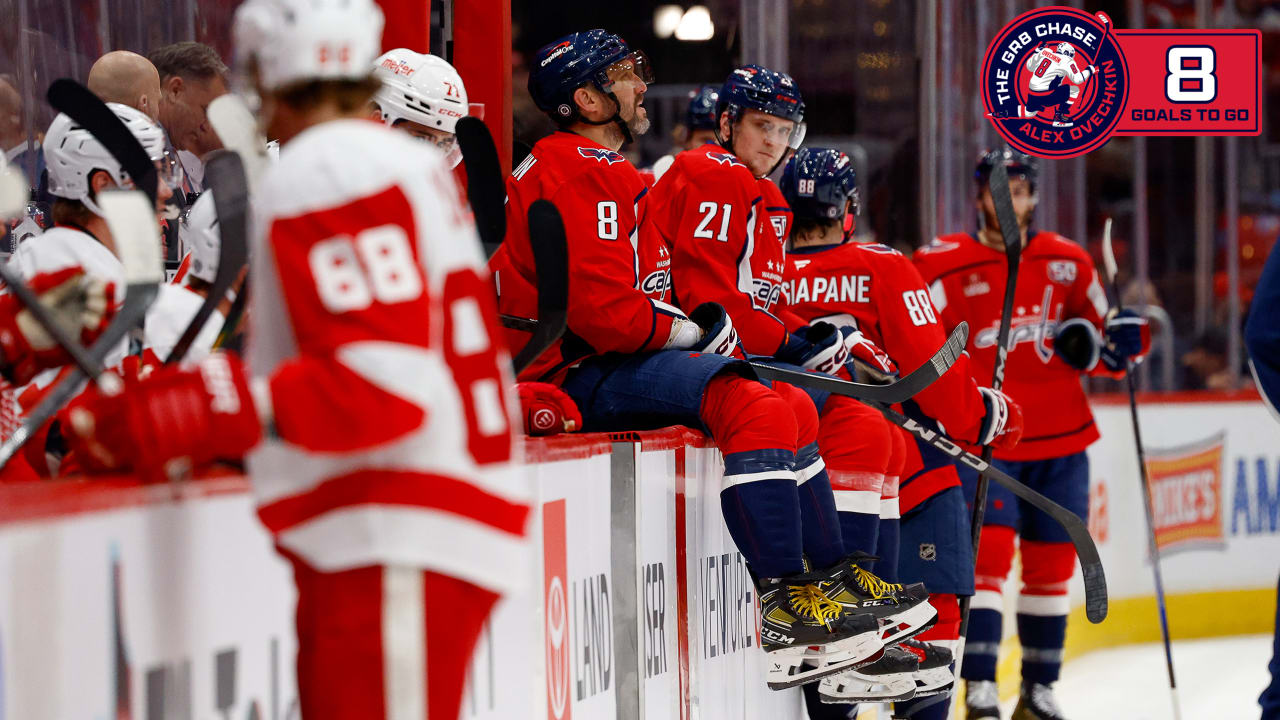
<point x="1078" y="343"/>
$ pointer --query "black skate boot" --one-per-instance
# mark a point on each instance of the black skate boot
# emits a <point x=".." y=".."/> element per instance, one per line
<point x="934" y="676"/>
<point x="808" y="635"/>
<point x="902" y="611"/>
<point x="981" y="700"/>
<point x="1037" y="703"/>
<point x="889" y="679"/>
<point x="1060" y="119"/>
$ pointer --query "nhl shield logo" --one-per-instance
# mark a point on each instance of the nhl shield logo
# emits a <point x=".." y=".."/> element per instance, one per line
<point x="1055" y="82"/>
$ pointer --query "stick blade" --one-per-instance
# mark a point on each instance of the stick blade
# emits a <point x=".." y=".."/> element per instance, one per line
<point x="238" y="130"/>
<point x="1095" y="592"/>
<point x="1108" y="252"/>
<point x="486" y="191"/>
<point x="13" y="191"/>
<point x="132" y="219"/>
<point x="551" y="263"/>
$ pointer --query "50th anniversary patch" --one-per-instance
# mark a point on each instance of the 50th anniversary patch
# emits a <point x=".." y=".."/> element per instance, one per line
<point x="1058" y="82"/>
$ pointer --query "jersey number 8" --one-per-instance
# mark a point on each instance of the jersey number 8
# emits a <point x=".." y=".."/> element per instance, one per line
<point x="377" y="264"/>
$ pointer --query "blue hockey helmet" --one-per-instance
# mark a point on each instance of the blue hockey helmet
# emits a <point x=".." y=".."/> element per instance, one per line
<point x="701" y="114"/>
<point x="1015" y="163"/>
<point x="573" y="61"/>
<point x="752" y="87"/>
<point x="819" y="184"/>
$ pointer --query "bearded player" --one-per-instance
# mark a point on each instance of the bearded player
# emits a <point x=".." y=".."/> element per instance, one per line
<point x="1061" y="329"/>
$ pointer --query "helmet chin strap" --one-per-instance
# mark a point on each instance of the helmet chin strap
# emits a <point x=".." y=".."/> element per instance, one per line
<point x="616" y="118"/>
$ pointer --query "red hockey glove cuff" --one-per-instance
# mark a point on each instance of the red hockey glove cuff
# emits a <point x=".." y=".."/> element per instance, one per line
<point x="190" y="415"/>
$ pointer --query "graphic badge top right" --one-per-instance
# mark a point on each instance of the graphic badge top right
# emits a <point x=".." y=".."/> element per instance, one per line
<point x="1059" y="82"/>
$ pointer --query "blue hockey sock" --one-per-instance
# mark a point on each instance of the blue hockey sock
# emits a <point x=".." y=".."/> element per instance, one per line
<point x="820" y="524"/>
<point x="982" y="647"/>
<point x="1042" y="637"/>
<point x="887" y="548"/>
<point x="761" y="509"/>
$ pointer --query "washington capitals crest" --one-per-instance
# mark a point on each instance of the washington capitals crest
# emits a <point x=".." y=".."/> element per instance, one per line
<point x="601" y="155"/>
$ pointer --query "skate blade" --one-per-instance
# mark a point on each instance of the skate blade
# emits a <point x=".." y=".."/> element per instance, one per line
<point x="850" y="687"/>
<point x="934" y="682"/>
<point x="811" y="664"/>
<point x="910" y="623"/>
<point x="1062" y="124"/>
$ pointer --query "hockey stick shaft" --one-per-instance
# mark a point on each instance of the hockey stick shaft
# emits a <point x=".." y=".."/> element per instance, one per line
<point x="1095" y="583"/>
<point x="226" y="179"/>
<point x="1001" y="198"/>
<point x="1109" y="261"/>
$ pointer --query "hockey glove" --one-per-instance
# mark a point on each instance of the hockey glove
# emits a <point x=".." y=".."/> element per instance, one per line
<point x="1002" y="425"/>
<point x="190" y="415"/>
<point x="1126" y="336"/>
<point x="870" y="359"/>
<point x="547" y="409"/>
<point x="1078" y="344"/>
<point x="819" y="347"/>
<point x="718" y="337"/>
<point x="81" y="303"/>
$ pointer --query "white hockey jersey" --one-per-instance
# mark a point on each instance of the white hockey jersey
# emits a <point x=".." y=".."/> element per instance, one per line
<point x="1047" y="66"/>
<point x="169" y="316"/>
<point x="375" y="324"/>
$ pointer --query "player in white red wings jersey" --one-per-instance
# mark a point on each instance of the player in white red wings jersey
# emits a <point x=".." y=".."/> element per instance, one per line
<point x="386" y="472"/>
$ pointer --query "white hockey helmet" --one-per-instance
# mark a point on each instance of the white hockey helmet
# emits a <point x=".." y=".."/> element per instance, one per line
<point x="290" y="41"/>
<point x="1065" y="48"/>
<point x="72" y="154"/>
<point x="420" y="88"/>
<point x="201" y="236"/>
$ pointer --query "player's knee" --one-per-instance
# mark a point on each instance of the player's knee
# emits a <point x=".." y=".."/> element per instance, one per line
<point x="742" y="415"/>
<point x="995" y="557"/>
<point x="853" y="437"/>
<point x="805" y="413"/>
<point x="1047" y="567"/>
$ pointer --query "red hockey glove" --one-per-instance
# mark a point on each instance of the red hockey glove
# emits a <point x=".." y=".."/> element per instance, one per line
<point x="1002" y="426"/>
<point x="82" y="303"/>
<point x="547" y="409"/>
<point x="719" y="336"/>
<point x="193" y="415"/>
<point x="871" y="359"/>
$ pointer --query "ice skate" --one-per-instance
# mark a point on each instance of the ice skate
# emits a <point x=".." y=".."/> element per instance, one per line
<point x="889" y="679"/>
<point x="981" y="700"/>
<point x="1061" y="120"/>
<point x="1037" y="703"/>
<point x="934" y="676"/>
<point x="902" y="611"/>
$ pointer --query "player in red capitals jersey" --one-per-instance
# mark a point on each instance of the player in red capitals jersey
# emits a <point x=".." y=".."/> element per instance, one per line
<point x="630" y="360"/>
<point x="726" y="224"/>
<point x="1061" y="328"/>
<point x="876" y="294"/>
<point x="373" y="408"/>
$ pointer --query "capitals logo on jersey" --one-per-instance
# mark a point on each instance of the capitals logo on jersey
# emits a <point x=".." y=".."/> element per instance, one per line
<point x="1055" y="82"/>
<point x="725" y="158"/>
<point x="601" y="155"/>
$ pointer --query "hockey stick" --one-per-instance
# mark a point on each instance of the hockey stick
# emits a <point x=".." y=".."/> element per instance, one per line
<point x="894" y="392"/>
<point x="13" y="190"/>
<point x="551" y="263"/>
<point x="485" y="190"/>
<point x="1001" y="198"/>
<point x="224" y="176"/>
<point x="132" y="220"/>
<point x="1109" y="261"/>
<point x="891" y="393"/>
<point x="1095" y="581"/>
<point x="81" y="105"/>
<point x="232" y="323"/>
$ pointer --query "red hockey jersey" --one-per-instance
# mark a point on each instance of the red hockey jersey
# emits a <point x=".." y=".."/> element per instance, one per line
<point x="1056" y="282"/>
<point x="876" y="289"/>
<point x="617" y="281"/>
<point x="727" y="234"/>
